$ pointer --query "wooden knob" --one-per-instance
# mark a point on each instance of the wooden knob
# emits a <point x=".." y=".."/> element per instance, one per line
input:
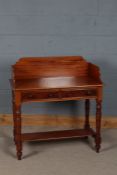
<point x="30" y="95"/>
<point x="51" y="95"/>
<point x="89" y="92"/>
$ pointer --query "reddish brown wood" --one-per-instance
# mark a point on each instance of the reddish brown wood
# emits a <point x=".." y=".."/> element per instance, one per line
<point x="50" y="67"/>
<point x="17" y="123"/>
<point x="98" y="125"/>
<point x="55" y="79"/>
<point x="87" y="108"/>
<point x="55" y="135"/>
<point x="13" y="109"/>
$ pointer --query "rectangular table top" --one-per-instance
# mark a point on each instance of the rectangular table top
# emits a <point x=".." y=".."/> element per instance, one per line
<point x="56" y="83"/>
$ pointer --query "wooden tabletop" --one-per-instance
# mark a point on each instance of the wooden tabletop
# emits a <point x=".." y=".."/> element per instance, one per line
<point x="56" y="82"/>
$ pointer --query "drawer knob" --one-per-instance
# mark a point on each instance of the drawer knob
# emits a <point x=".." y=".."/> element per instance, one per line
<point x="51" y="95"/>
<point x="30" y="96"/>
<point x="89" y="92"/>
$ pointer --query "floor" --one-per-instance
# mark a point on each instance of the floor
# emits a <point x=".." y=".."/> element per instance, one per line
<point x="70" y="157"/>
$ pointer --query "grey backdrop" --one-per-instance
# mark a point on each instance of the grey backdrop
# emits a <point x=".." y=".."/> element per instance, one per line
<point x="59" y="27"/>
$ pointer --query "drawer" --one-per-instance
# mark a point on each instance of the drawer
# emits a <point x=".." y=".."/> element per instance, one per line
<point x="46" y="95"/>
<point x="79" y="93"/>
<point x="33" y="96"/>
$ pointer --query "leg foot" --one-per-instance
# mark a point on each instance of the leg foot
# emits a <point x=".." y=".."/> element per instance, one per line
<point x="86" y="137"/>
<point x="19" y="150"/>
<point x="98" y="142"/>
<point x="19" y="157"/>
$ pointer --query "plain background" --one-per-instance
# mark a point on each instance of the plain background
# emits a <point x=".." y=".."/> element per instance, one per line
<point x="59" y="27"/>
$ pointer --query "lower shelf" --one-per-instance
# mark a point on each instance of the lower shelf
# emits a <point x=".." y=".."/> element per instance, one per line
<point x="55" y="135"/>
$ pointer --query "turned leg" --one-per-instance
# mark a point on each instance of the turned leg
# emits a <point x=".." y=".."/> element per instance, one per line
<point x="87" y="109"/>
<point x="98" y="125"/>
<point x="17" y="130"/>
<point x="14" y="121"/>
<point x="17" y="122"/>
<point x="13" y="109"/>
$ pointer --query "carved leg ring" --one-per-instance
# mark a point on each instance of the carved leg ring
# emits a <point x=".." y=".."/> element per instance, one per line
<point x="98" y="126"/>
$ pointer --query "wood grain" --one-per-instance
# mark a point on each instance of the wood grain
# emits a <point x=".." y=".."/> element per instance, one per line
<point x="42" y="79"/>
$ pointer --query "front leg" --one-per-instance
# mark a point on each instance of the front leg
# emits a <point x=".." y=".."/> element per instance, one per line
<point x="87" y="109"/>
<point x="13" y="110"/>
<point x="98" y="125"/>
<point x="17" y="125"/>
<point x="18" y="140"/>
